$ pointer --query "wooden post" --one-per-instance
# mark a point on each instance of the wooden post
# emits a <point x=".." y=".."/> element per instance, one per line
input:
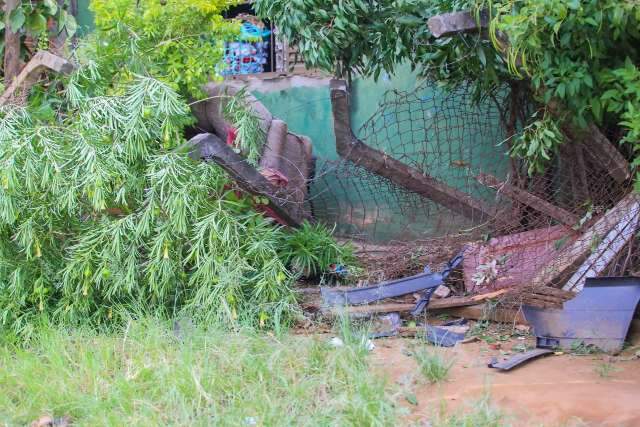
<point x="209" y="147"/>
<point x="12" y="62"/>
<point x="449" y="24"/>
<point x="379" y="163"/>
<point x="606" y="154"/>
<point x="528" y="199"/>
<point x="600" y="150"/>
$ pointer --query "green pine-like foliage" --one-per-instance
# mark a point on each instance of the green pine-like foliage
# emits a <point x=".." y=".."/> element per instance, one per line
<point x="103" y="214"/>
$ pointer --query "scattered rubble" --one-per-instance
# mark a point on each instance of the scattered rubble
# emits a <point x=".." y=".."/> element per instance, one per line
<point x="49" y="421"/>
<point x="519" y="359"/>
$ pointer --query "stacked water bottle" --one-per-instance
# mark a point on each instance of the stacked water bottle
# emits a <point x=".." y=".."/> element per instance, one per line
<point x="250" y="54"/>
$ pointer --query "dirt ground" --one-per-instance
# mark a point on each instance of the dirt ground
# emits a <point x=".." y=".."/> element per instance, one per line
<point x="559" y="390"/>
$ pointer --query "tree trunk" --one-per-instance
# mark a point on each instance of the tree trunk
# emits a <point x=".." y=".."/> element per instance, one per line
<point x="12" y="63"/>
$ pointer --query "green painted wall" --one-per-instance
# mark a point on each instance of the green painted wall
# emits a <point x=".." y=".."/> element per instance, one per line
<point x="452" y="131"/>
<point x="440" y="133"/>
<point x="85" y="17"/>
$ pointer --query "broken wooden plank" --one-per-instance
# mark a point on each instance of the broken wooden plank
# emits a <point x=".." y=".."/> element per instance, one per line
<point x="575" y="253"/>
<point x="526" y="198"/>
<point x="40" y="62"/>
<point x="606" y="154"/>
<point x="209" y="147"/>
<point x="484" y="312"/>
<point x="379" y="163"/>
<point x="597" y="146"/>
<point x="436" y="304"/>
<point x="610" y="246"/>
<point x="450" y="24"/>
<point x="543" y="297"/>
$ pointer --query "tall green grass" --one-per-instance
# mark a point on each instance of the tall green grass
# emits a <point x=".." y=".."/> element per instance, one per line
<point x="147" y="374"/>
<point x="433" y="365"/>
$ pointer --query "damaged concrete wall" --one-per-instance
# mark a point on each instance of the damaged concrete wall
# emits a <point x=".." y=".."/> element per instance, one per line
<point x="305" y="105"/>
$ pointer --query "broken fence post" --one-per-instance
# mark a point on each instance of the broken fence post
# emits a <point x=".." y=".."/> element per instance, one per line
<point x="351" y="148"/>
<point x="531" y="200"/>
<point x="209" y="147"/>
<point x="449" y="24"/>
<point x="40" y="62"/>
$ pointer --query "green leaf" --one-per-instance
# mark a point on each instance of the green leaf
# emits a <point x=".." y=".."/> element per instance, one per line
<point x="410" y="20"/>
<point x="36" y="23"/>
<point x="70" y="24"/>
<point x="574" y="4"/>
<point x="411" y="398"/>
<point x="588" y="81"/>
<point x="17" y="19"/>
<point x="52" y="6"/>
<point x="596" y="109"/>
<point x="482" y="57"/>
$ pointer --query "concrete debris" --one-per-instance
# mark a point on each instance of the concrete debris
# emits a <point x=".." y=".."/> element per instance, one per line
<point x="442" y="291"/>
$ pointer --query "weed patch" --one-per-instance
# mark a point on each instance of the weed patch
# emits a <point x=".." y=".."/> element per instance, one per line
<point x="481" y="414"/>
<point x="433" y="365"/>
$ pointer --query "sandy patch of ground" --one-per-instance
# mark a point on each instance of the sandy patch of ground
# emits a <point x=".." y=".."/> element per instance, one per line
<point x="559" y="390"/>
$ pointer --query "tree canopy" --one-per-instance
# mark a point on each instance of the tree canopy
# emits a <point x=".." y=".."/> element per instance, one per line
<point x="581" y="56"/>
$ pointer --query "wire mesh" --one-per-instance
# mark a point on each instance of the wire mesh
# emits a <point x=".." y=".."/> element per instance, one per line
<point x="542" y="229"/>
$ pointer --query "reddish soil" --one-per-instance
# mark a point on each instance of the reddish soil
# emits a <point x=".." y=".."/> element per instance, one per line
<point x="559" y="390"/>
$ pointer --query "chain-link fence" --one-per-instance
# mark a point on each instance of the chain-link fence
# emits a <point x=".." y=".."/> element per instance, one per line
<point x="571" y="222"/>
